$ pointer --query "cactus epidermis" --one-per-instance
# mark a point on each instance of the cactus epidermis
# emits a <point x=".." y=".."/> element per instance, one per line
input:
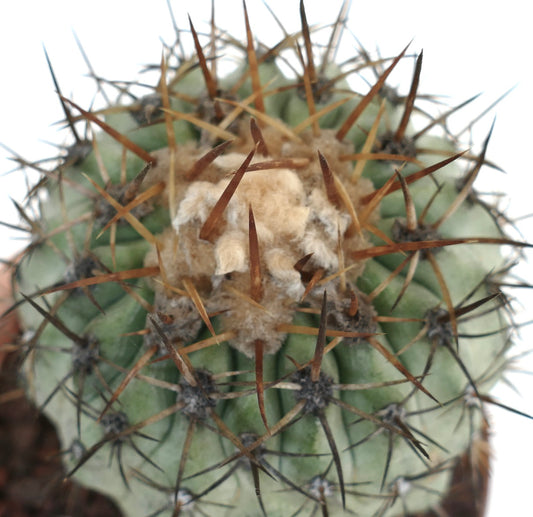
<point x="259" y="294"/>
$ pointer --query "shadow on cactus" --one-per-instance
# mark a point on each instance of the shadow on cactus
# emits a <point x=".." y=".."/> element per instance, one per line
<point x="265" y="295"/>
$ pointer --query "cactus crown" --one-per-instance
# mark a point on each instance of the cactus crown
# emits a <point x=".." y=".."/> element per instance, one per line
<point x="265" y="296"/>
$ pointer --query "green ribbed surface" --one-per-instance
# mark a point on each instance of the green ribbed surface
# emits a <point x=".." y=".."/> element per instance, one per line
<point x="464" y="268"/>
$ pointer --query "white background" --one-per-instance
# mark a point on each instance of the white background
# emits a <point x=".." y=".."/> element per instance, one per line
<point x="469" y="47"/>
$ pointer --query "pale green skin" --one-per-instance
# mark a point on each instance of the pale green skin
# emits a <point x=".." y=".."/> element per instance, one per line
<point x="464" y="267"/>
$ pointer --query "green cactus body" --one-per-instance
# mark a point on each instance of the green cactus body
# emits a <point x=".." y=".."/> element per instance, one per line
<point x="347" y="278"/>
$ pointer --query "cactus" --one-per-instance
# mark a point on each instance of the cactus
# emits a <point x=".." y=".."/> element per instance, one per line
<point x="258" y="294"/>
